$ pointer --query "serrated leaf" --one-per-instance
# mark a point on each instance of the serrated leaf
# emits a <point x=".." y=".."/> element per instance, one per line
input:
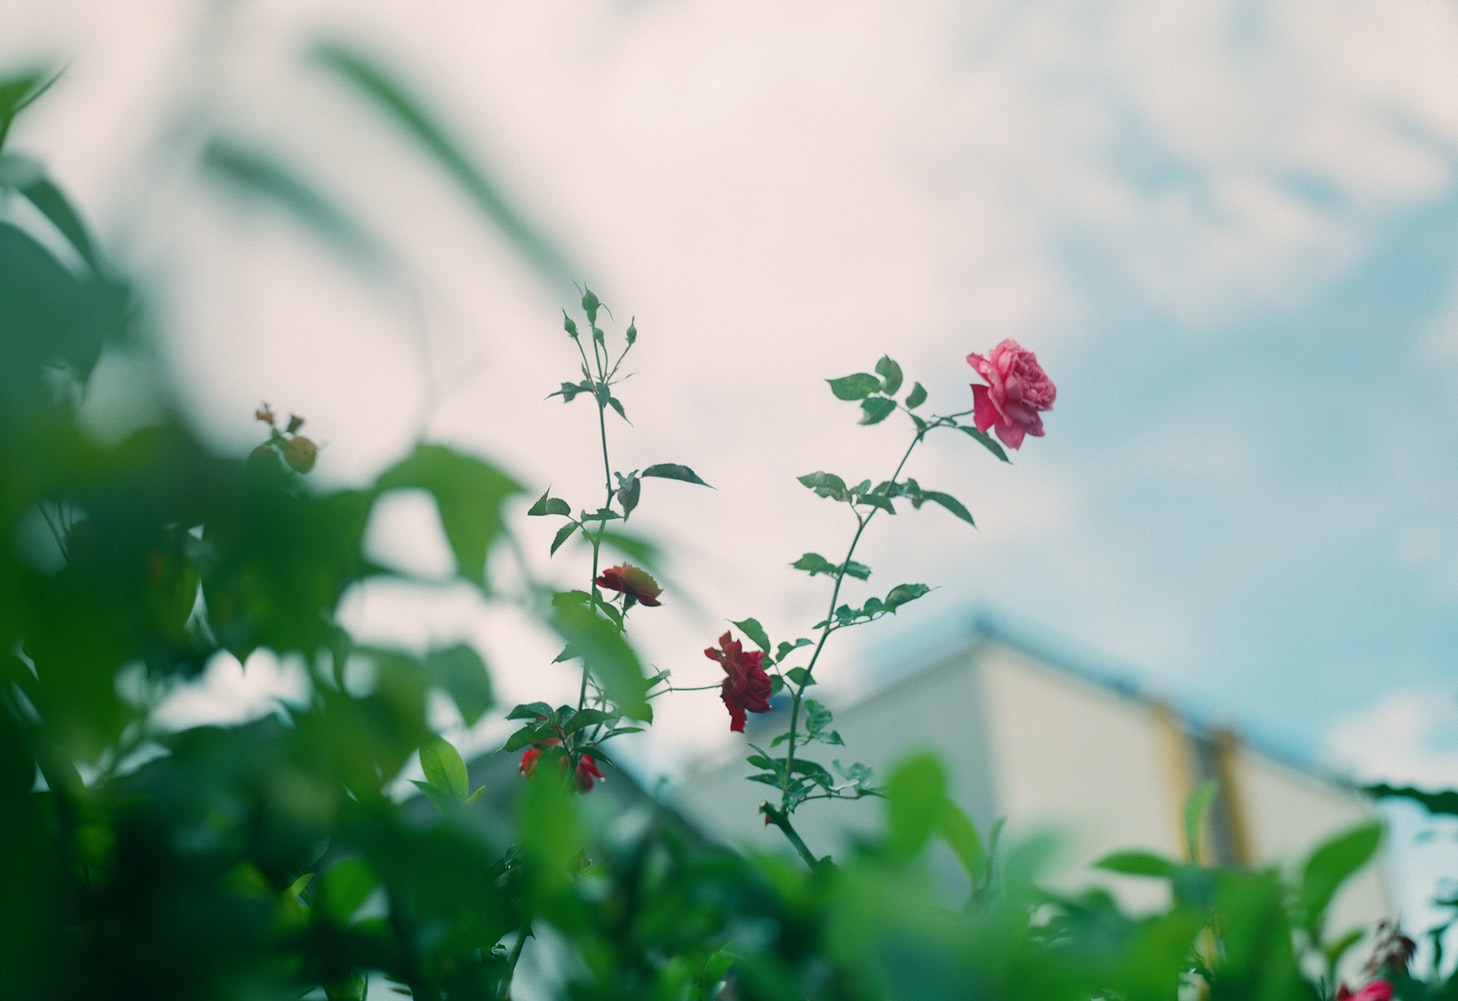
<point x="530" y="710"/>
<point x="674" y="471"/>
<point x="547" y="504"/>
<point x="901" y="594"/>
<point x="628" y="492"/>
<point x="857" y="570"/>
<point x="814" y="771"/>
<point x="825" y="485"/>
<point x="879" y="501"/>
<point x="876" y="409"/>
<point x="814" y="563"/>
<point x="916" y="397"/>
<point x="817" y="716"/>
<point x="854" y="387"/>
<point x="950" y="503"/>
<point x="446" y="770"/>
<point x="800" y="677"/>
<point x="563" y="534"/>
<point x="570" y="390"/>
<point x="890" y="373"/>
<point x="587" y="717"/>
<point x="529" y="734"/>
<point x="985" y="440"/>
<point x="617" y="405"/>
<point x="755" y="631"/>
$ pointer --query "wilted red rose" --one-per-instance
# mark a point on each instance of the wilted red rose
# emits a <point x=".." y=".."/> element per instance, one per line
<point x="633" y="581"/>
<point x="747" y="686"/>
<point x="1017" y="390"/>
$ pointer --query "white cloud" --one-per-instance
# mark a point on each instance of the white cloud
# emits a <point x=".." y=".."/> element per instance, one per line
<point x="1405" y="737"/>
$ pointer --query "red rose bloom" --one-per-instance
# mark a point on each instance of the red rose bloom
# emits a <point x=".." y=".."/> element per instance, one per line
<point x="587" y="768"/>
<point x="633" y="581"/>
<point x="747" y="687"/>
<point x="1377" y="990"/>
<point x="1017" y="390"/>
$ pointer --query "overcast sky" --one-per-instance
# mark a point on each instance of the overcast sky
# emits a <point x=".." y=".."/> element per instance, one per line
<point x="1229" y="229"/>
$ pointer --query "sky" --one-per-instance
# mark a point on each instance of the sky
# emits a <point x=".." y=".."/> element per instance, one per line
<point x="1228" y="229"/>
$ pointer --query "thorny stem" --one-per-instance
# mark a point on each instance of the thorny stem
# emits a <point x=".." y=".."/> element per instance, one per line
<point x="798" y="694"/>
<point x="781" y="819"/>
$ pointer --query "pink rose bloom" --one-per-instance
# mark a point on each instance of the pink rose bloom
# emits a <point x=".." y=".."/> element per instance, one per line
<point x="1017" y="390"/>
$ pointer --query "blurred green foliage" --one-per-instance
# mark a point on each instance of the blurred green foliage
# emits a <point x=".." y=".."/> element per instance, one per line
<point x="270" y="859"/>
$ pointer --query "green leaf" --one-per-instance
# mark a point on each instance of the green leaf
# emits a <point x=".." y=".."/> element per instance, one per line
<point x="617" y="405"/>
<point x="410" y="116"/>
<point x="826" y="485"/>
<point x="916" y="397"/>
<point x="53" y="204"/>
<point x="960" y="834"/>
<point x="673" y="471"/>
<point x="570" y="390"/>
<point x="630" y="488"/>
<point x="916" y="798"/>
<point x="18" y="91"/>
<point x="800" y="677"/>
<point x="755" y="631"/>
<point x="814" y="563"/>
<point x="1134" y="863"/>
<point x="950" y="503"/>
<point x="587" y="717"/>
<point x="461" y="673"/>
<point x="985" y="440"/>
<point x="901" y="594"/>
<point x="530" y="710"/>
<point x="469" y="494"/>
<point x="785" y="648"/>
<point x="817" y="717"/>
<point x="878" y="500"/>
<point x="607" y="655"/>
<point x="547" y="504"/>
<point x="529" y="734"/>
<point x="446" y="770"/>
<point x="876" y="409"/>
<point x="890" y="373"/>
<point x="1197" y="809"/>
<point x="1332" y="864"/>
<point x="563" y="534"/>
<point x="855" y="387"/>
<point x="342" y="889"/>
<point x="815" y="772"/>
<point x="857" y="570"/>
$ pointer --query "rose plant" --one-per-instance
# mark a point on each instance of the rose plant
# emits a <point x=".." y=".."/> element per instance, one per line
<point x="280" y="857"/>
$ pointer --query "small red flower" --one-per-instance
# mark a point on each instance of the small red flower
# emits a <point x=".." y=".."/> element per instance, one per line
<point x="746" y="687"/>
<point x="582" y="780"/>
<point x="635" y="582"/>
<point x="1376" y="990"/>
<point x="1017" y="390"/>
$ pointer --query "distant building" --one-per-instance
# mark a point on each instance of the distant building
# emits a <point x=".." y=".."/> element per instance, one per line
<point x="1046" y="747"/>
